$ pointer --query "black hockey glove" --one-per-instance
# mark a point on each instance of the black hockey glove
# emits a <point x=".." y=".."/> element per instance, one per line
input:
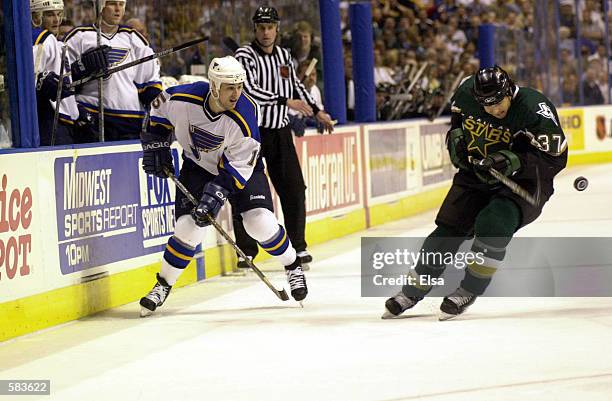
<point x="213" y="198"/>
<point x="297" y="124"/>
<point x="91" y="62"/>
<point x="156" y="155"/>
<point x="46" y="86"/>
<point x="504" y="161"/>
<point x="457" y="148"/>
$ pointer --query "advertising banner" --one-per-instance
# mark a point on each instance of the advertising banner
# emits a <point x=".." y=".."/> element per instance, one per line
<point x="108" y="210"/>
<point x="21" y="267"/>
<point x="330" y="164"/>
<point x="393" y="158"/>
<point x="598" y="128"/>
<point x="436" y="164"/>
<point x="572" y="122"/>
<point x="388" y="161"/>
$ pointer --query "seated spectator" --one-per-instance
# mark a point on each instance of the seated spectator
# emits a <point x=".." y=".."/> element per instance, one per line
<point x="590" y="87"/>
<point x="382" y="73"/>
<point x="569" y="89"/>
<point x="302" y="46"/>
<point x="138" y="25"/>
<point x="297" y="120"/>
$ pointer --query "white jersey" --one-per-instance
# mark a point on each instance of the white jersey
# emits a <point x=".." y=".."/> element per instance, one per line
<point x="224" y="144"/>
<point x="123" y="90"/>
<point x="47" y="53"/>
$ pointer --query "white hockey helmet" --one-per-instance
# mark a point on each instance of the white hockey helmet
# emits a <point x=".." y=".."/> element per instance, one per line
<point x="226" y="70"/>
<point x="103" y="2"/>
<point x="38" y="6"/>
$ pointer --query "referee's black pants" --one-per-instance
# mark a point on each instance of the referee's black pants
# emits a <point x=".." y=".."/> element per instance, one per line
<point x="286" y="175"/>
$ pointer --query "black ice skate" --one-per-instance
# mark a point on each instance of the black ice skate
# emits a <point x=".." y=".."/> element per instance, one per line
<point x="456" y="303"/>
<point x="396" y="305"/>
<point x="243" y="264"/>
<point x="155" y="298"/>
<point x="297" y="283"/>
<point x="305" y="259"/>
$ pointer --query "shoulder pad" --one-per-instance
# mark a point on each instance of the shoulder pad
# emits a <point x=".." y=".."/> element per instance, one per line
<point x="84" y="28"/>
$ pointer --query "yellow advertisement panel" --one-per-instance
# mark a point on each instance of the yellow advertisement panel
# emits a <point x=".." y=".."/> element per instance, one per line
<point x="572" y="122"/>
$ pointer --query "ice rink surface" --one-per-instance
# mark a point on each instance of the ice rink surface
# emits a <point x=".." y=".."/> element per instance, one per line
<point x="229" y="338"/>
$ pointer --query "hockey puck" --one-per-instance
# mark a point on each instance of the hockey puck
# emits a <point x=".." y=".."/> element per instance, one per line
<point x="581" y="183"/>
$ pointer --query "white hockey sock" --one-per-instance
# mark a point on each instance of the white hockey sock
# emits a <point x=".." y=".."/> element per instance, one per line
<point x="170" y="273"/>
<point x="261" y="225"/>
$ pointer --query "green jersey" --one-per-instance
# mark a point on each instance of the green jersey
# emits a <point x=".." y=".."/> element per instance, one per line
<point x="531" y="117"/>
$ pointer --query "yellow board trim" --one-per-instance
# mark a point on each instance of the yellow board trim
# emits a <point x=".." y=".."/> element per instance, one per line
<point x="62" y="305"/>
<point x="577" y="159"/>
<point x="408" y="206"/>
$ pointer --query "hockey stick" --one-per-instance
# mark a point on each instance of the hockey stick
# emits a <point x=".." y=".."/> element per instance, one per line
<point x="513" y="186"/>
<point x="100" y="79"/>
<point x="282" y="294"/>
<point x="137" y="62"/>
<point x="58" y="97"/>
<point x="417" y="76"/>
<point x="311" y="67"/>
<point x="449" y="95"/>
<point x="230" y="43"/>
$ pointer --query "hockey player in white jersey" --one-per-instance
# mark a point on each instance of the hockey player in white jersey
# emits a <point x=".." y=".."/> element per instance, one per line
<point x="46" y="18"/>
<point x="127" y="93"/>
<point x="216" y="124"/>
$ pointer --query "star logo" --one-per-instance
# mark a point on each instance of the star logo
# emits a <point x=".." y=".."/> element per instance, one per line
<point x="480" y="140"/>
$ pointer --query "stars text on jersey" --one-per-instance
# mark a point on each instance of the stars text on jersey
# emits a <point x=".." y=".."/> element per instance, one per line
<point x="483" y="134"/>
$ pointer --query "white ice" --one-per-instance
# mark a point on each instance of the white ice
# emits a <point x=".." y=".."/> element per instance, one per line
<point x="229" y="338"/>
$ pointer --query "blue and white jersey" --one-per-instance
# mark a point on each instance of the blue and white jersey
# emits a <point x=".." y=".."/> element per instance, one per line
<point x="124" y="91"/>
<point x="47" y="51"/>
<point x="224" y="144"/>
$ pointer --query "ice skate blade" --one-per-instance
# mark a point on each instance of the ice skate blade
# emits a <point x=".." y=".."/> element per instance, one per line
<point x="388" y="315"/>
<point x="144" y="312"/>
<point x="301" y="304"/>
<point x="446" y="316"/>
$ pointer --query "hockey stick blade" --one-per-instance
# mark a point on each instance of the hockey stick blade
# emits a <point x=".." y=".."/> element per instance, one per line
<point x="139" y="61"/>
<point x="281" y="294"/>
<point x="230" y="43"/>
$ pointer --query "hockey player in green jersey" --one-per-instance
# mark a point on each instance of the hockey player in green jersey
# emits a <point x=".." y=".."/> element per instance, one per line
<point x="514" y="130"/>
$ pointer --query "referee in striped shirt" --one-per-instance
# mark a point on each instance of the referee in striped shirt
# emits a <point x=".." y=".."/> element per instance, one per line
<point x="273" y="83"/>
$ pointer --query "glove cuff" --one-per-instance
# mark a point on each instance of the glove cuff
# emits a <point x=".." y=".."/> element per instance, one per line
<point x="151" y="141"/>
<point x="454" y="138"/>
<point x="213" y="189"/>
<point x="513" y="162"/>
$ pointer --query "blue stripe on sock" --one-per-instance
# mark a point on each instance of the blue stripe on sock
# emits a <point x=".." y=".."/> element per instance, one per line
<point x="180" y="248"/>
<point x="174" y="261"/>
<point x="281" y="249"/>
<point x="276" y="240"/>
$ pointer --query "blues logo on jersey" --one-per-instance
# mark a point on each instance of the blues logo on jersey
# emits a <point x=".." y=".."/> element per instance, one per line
<point x="116" y="55"/>
<point x="203" y="140"/>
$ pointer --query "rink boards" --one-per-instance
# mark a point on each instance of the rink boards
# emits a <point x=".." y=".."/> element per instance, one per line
<point x="82" y="229"/>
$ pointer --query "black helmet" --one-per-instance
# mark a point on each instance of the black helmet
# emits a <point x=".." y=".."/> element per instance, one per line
<point x="265" y="14"/>
<point x="491" y="85"/>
